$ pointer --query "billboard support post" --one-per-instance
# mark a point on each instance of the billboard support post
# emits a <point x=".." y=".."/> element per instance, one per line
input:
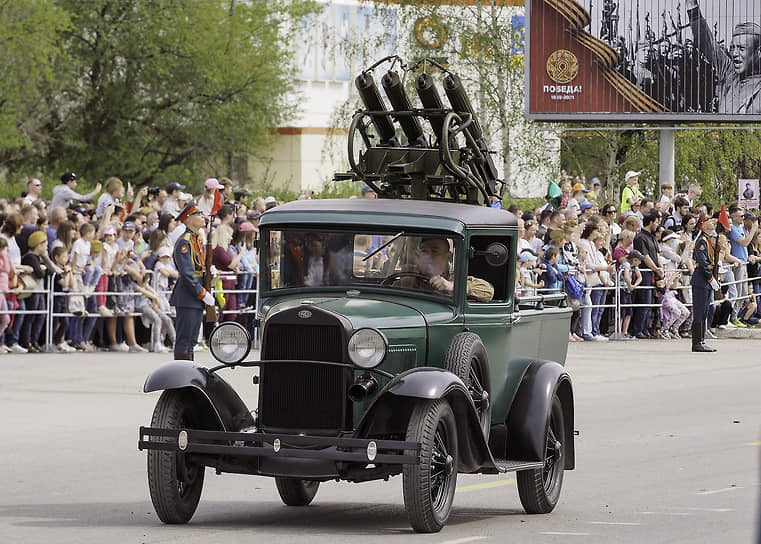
<point x="666" y="158"/>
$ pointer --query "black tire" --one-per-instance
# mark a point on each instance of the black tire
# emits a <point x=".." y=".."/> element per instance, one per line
<point x="175" y="484"/>
<point x="295" y="492"/>
<point x="467" y="359"/>
<point x="539" y="489"/>
<point x="429" y="486"/>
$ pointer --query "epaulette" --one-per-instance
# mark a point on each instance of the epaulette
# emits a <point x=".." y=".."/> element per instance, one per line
<point x="187" y="236"/>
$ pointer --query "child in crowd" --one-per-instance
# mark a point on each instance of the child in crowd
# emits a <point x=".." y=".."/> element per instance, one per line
<point x="163" y="272"/>
<point x="108" y="263"/>
<point x="673" y="312"/>
<point x="149" y="306"/>
<point x="527" y="282"/>
<point x="98" y="259"/>
<point x="6" y="271"/>
<point x="62" y="284"/>
<point x="248" y="263"/>
<point x="37" y="259"/>
<point x="551" y="277"/>
<point x="629" y="267"/>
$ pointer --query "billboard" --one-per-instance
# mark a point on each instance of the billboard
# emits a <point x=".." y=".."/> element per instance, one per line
<point x="644" y="60"/>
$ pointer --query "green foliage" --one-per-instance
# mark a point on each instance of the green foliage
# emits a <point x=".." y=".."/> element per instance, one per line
<point x="157" y="91"/>
<point x="340" y="189"/>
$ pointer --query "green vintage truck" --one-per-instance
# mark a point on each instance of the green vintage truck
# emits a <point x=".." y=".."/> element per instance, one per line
<point x="391" y="341"/>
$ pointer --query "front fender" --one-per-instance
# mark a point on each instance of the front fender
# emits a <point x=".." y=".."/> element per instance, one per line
<point x="391" y="410"/>
<point x="230" y="410"/>
<point x="527" y="419"/>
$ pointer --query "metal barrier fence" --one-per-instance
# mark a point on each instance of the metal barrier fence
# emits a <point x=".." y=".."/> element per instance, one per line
<point x="50" y="296"/>
<point x="618" y="285"/>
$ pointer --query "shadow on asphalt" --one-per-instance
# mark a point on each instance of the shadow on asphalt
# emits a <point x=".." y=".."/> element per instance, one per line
<point x="325" y="518"/>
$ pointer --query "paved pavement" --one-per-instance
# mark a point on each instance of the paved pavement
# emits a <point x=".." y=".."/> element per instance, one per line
<point x="668" y="451"/>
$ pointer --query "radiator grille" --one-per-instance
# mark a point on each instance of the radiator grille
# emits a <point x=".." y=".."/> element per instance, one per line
<point x="302" y="395"/>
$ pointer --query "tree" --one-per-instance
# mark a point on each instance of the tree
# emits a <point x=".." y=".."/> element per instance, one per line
<point x="30" y="49"/>
<point x="160" y="90"/>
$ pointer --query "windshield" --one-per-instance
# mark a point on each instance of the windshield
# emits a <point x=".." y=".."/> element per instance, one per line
<point x="384" y="258"/>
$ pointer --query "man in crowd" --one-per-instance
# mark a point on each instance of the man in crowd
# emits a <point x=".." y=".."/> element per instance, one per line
<point x="172" y="203"/>
<point x="738" y="70"/>
<point x="631" y="193"/>
<point x="739" y="239"/>
<point x="681" y="211"/>
<point x="33" y="190"/>
<point x="64" y="194"/>
<point x="645" y="243"/>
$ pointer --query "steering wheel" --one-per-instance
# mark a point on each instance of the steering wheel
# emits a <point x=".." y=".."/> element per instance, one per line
<point x="404" y="274"/>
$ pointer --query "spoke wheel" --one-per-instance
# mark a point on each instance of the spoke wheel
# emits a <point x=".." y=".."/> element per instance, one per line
<point x="175" y="482"/>
<point x="539" y="489"/>
<point x="429" y="486"/>
<point x="466" y="358"/>
<point x="295" y="492"/>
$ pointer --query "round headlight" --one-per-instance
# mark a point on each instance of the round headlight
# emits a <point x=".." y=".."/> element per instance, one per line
<point x="367" y="348"/>
<point x="230" y="342"/>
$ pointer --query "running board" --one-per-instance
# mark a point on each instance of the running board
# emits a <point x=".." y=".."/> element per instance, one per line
<point x="509" y="465"/>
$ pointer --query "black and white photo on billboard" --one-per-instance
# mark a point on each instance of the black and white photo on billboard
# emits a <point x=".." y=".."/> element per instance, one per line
<point x="693" y="56"/>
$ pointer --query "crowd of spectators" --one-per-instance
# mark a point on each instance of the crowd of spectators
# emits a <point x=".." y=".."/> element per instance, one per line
<point x="109" y="258"/>
<point x="585" y="248"/>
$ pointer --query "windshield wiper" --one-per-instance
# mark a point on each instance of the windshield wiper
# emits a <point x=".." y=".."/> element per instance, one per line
<point x="383" y="246"/>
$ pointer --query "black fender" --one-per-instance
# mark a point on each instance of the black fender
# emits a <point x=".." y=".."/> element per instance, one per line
<point x="230" y="411"/>
<point x="527" y="419"/>
<point x="390" y="411"/>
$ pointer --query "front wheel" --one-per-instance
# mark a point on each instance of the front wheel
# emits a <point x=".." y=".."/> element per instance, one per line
<point x="429" y="486"/>
<point x="175" y="482"/>
<point x="295" y="492"/>
<point x="539" y="489"/>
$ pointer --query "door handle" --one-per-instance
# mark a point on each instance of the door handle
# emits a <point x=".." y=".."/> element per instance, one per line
<point x="513" y="319"/>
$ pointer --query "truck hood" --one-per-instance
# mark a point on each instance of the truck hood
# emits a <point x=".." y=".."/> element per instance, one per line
<point x="388" y="313"/>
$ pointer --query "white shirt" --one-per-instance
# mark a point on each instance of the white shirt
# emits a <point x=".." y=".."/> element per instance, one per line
<point x="13" y="250"/>
<point x="81" y="249"/>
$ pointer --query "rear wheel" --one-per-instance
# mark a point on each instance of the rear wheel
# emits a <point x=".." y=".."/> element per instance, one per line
<point x="175" y="482"/>
<point x="466" y="359"/>
<point x="295" y="492"/>
<point x="539" y="489"/>
<point x="429" y="486"/>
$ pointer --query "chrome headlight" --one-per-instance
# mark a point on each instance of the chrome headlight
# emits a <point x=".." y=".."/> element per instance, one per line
<point x="367" y="348"/>
<point x="230" y="343"/>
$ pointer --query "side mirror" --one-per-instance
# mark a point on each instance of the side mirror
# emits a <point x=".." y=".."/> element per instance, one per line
<point x="495" y="254"/>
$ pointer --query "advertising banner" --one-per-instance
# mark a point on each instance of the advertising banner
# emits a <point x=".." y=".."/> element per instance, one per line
<point x="644" y="60"/>
<point x="747" y="194"/>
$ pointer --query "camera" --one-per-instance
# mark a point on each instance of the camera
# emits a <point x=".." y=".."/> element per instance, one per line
<point x="153" y="191"/>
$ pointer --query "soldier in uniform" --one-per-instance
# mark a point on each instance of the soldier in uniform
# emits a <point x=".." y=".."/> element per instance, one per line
<point x="703" y="281"/>
<point x="189" y="295"/>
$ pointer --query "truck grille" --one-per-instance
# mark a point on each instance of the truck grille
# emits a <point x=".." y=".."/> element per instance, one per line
<point x="303" y="395"/>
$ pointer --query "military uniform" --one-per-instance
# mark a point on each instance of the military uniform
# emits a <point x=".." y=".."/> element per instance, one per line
<point x="702" y="292"/>
<point x="187" y="296"/>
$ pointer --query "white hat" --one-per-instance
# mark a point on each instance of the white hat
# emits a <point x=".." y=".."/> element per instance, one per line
<point x="269" y="199"/>
<point x="631" y="174"/>
<point x="184" y="196"/>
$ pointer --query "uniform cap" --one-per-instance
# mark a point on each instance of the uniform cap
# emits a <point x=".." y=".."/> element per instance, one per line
<point x="187" y="211"/>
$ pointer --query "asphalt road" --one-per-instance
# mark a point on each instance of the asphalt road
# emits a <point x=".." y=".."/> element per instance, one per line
<point x="668" y="451"/>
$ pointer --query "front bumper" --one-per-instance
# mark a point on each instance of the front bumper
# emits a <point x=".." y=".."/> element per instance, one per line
<point x="338" y="449"/>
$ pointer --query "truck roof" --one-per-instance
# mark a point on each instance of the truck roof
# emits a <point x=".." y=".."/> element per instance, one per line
<point x="440" y="213"/>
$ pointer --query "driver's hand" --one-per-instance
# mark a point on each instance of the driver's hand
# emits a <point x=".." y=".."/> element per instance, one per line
<point x="441" y="284"/>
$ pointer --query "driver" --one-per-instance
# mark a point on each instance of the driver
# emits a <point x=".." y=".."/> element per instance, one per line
<point x="434" y="255"/>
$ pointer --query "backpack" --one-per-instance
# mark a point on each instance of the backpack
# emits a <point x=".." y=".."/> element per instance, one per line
<point x="573" y="287"/>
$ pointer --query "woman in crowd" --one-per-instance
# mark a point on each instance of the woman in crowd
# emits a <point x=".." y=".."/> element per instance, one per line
<point x="227" y="265"/>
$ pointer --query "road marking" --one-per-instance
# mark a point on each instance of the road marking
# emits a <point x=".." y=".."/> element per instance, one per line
<point x="487" y="485"/>
<point x="753" y="443"/>
<point x="632" y="523"/>
<point x="666" y="513"/>
<point x="706" y="509"/>
<point x="717" y="491"/>
<point x="463" y="540"/>
<point x="558" y="533"/>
